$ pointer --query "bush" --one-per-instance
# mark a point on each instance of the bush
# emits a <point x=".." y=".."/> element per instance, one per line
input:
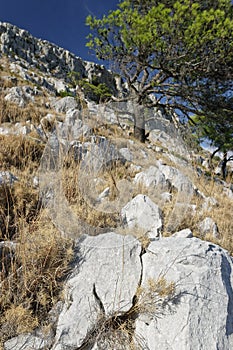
<point x="98" y="92"/>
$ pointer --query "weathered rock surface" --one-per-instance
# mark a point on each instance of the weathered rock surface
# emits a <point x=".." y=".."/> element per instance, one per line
<point x="50" y="58"/>
<point x="21" y="95"/>
<point x="144" y="214"/>
<point x="103" y="282"/>
<point x="152" y="177"/>
<point x="7" y="178"/>
<point x="208" y="227"/>
<point x="64" y="104"/>
<point x="201" y="315"/>
<point x="26" y="342"/>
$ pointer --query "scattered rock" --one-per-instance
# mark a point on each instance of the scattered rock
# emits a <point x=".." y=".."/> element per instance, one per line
<point x="26" y="342"/>
<point x="177" y="179"/>
<point x="7" y="178"/>
<point x="153" y="178"/>
<point x="64" y="104"/>
<point x="125" y="152"/>
<point x="141" y="212"/>
<point x="186" y="233"/>
<point x="208" y="227"/>
<point x="20" y="95"/>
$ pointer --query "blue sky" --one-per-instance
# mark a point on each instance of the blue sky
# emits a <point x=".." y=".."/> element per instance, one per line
<point x="61" y="22"/>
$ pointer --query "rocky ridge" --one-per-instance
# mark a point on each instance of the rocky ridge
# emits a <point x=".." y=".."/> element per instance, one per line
<point x="130" y="286"/>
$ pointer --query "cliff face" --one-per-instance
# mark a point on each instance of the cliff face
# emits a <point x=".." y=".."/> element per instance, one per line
<point x="50" y="59"/>
<point x="141" y="228"/>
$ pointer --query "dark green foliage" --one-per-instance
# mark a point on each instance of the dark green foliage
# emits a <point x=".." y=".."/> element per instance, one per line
<point x="179" y="51"/>
<point x="98" y="92"/>
<point x="65" y="93"/>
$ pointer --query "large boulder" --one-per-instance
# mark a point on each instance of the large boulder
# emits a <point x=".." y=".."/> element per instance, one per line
<point x="102" y="285"/>
<point x="177" y="294"/>
<point x="200" y="316"/>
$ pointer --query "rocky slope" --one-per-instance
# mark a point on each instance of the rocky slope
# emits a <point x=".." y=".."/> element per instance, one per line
<point x="148" y="224"/>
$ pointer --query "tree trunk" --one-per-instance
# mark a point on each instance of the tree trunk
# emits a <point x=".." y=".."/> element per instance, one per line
<point x="139" y="124"/>
<point x="224" y="166"/>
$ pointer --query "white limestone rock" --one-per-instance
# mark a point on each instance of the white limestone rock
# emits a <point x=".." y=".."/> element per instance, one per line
<point x="153" y="178"/>
<point x="141" y="212"/>
<point x="166" y="197"/>
<point x="26" y="342"/>
<point x="104" y="281"/>
<point x="177" y="179"/>
<point x="201" y="314"/>
<point x="64" y="104"/>
<point x="208" y="226"/>
<point x="125" y="152"/>
<point x="20" y="95"/>
<point x="185" y="233"/>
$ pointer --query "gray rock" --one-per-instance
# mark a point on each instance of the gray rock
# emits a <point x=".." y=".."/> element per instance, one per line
<point x="7" y="178"/>
<point x="153" y="178"/>
<point x="25" y="342"/>
<point x="208" y="226"/>
<point x="103" y="283"/>
<point x="177" y="179"/>
<point x="186" y="233"/>
<point x="20" y="95"/>
<point x="166" y="197"/>
<point x="141" y="212"/>
<point x="125" y="152"/>
<point x="200" y="316"/>
<point x="160" y="137"/>
<point x="53" y="62"/>
<point x="64" y="104"/>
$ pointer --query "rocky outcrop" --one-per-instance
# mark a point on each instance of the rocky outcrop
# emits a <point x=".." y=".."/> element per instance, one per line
<point x="201" y="316"/>
<point x="176" y="295"/>
<point x="49" y="58"/>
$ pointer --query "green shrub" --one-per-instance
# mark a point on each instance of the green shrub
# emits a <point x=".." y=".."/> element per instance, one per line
<point x="98" y="92"/>
<point x="64" y="93"/>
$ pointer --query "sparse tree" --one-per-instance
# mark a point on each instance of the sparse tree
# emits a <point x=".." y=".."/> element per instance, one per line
<point x="217" y="126"/>
<point x="174" y="51"/>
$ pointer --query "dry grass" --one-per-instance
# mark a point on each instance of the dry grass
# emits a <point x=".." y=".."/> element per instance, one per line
<point x="31" y="277"/>
<point x="21" y="152"/>
<point x="82" y="204"/>
<point x="12" y="113"/>
<point x="221" y="213"/>
<point x="32" y="267"/>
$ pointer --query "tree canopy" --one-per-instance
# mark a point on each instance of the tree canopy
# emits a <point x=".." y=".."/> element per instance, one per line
<point x="179" y="52"/>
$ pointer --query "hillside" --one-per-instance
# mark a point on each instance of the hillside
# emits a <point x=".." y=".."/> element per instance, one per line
<point x="106" y="242"/>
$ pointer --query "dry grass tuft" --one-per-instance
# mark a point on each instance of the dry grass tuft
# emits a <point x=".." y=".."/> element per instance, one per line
<point x="152" y="299"/>
<point x="20" y="152"/>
